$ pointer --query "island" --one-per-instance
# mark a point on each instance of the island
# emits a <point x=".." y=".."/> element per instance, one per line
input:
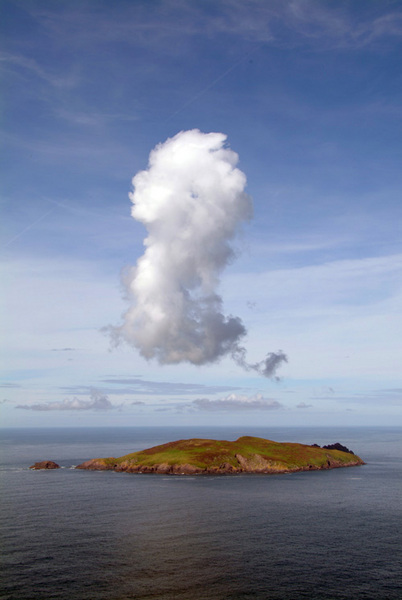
<point x="45" y="464"/>
<point x="245" y="455"/>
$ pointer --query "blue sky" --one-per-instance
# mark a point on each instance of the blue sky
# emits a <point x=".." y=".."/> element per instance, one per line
<point x="309" y="96"/>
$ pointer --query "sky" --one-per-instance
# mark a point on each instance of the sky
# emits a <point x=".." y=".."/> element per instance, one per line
<point x="201" y="209"/>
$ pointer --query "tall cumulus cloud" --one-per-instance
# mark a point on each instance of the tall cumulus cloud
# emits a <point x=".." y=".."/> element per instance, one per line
<point x="192" y="201"/>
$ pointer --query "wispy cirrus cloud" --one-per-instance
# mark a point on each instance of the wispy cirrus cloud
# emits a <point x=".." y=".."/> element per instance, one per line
<point x="250" y="20"/>
<point x="137" y="385"/>
<point x="333" y="282"/>
<point x="93" y="119"/>
<point x="383" y="397"/>
<point x="336" y="27"/>
<point x="8" y="385"/>
<point x="31" y="66"/>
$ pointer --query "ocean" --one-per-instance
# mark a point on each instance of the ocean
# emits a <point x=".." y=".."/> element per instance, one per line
<point x="80" y="535"/>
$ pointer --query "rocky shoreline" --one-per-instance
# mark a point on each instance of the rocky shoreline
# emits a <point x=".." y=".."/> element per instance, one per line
<point x="256" y="465"/>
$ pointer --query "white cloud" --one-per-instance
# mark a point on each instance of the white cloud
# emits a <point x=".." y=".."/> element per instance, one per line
<point x="192" y="201"/>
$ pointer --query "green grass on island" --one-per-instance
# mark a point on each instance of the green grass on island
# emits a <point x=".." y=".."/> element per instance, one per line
<point x="247" y="454"/>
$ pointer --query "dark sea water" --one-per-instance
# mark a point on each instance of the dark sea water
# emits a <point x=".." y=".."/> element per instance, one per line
<point x="81" y="535"/>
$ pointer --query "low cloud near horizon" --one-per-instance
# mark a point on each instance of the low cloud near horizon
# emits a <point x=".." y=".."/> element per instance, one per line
<point x="96" y="401"/>
<point x="63" y="349"/>
<point x="236" y="402"/>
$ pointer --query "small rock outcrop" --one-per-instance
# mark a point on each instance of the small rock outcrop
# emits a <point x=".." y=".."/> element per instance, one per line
<point x="45" y="464"/>
<point x="338" y="446"/>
